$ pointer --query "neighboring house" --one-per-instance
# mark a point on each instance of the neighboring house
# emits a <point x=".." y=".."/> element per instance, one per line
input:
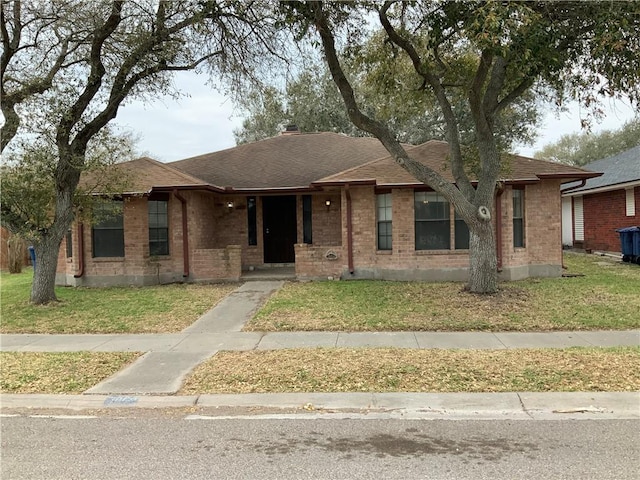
<point x="594" y="209"/>
<point x="330" y="205"/>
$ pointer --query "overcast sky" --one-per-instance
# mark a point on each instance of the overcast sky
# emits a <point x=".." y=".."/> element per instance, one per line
<point x="204" y="122"/>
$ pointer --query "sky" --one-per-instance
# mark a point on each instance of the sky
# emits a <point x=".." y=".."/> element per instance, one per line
<point x="203" y="122"/>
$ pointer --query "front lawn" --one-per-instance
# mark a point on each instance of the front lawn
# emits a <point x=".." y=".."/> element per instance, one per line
<point x="68" y="372"/>
<point x="606" y="297"/>
<point x="153" y="309"/>
<point x="406" y="370"/>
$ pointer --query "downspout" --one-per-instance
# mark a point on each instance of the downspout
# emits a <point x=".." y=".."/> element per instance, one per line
<point x="349" y="230"/>
<point x="499" y="229"/>
<point x="80" y="272"/>
<point x="583" y="182"/>
<point x="185" y="234"/>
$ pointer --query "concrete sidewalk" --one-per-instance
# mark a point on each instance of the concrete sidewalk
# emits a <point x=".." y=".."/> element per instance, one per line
<point x="213" y="342"/>
<point x="170" y="357"/>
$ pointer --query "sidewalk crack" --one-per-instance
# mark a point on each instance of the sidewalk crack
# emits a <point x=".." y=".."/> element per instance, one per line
<point x="524" y="409"/>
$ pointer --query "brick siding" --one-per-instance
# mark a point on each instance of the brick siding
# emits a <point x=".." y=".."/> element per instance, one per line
<point x="604" y="213"/>
<point x="219" y="250"/>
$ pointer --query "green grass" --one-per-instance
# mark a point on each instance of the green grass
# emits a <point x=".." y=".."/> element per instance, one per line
<point x="153" y="309"/>
<point x="407" y="370"/>
<point x="606" y="297"/>
<point x="68" y="372"/>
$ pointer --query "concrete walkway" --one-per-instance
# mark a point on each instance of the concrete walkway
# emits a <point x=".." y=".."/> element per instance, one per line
<point x="212" y="342"/>
<point x="170" y="357"/>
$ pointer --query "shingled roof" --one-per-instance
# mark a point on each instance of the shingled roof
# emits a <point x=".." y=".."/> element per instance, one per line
<point x="434" y="154"/>
<point x="618" y="169"/>
<point x="286" y="161"/>
<point x="144" y="173"/>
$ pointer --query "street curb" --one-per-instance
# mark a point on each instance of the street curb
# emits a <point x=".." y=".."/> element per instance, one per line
<point x="512" y="405"/>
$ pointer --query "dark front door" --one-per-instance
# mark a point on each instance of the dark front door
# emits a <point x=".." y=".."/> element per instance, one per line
<point x="279" y="228"/>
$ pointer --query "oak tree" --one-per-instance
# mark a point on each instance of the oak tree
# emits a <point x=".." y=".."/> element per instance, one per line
<point x="579" y="50"/>
<point x="67" y="66"/>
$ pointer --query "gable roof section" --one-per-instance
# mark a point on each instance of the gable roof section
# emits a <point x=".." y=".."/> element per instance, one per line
<point x="144" y="174"/>
<point x="618" y="170"/>
<point x="434" y="154"/>
<point x="283" y="162"/>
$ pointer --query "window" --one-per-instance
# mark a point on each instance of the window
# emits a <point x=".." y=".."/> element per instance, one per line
<point x="158" y="227"/>
<point x="69" y="244"/>
<point x="432" y="221"/>
<point x="630" y="202"/>
<point x="251" y="221"/>
<point x="306" y="219"/>
<point x="384" y="203"/>
<point x="108" y="232"/>
<point x="518" y="217"/>
<point x="461" y="233"/>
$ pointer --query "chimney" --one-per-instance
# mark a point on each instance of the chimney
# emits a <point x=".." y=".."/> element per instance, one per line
<point x="290" y="130"/>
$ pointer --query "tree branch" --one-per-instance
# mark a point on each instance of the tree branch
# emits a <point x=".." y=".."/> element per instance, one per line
<point x="380" y="131"/>
<point x="452" y="133"/>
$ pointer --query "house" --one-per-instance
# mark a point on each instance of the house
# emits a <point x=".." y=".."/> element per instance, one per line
<point x="593" y="209"/>
<point x="327" y="204"/>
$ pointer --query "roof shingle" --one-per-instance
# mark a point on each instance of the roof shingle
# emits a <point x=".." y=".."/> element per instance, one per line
<point x="434" y="154"/>
<point x="285" y="161"/>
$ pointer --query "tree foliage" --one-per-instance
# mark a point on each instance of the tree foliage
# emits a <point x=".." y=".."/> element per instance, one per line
<point x="313" y="103"/>
<point x="582" y="148"/>
<point x="557" y="49"/>
<point x="67" y="66"/>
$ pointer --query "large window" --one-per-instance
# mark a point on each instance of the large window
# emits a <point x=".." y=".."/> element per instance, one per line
<point x="252" y="220"/>
<point x="518" y="217"/>
<point x="158" y="227"/>
<point x="461" y="233"/>
<point x="108" y="232"/>
<point x="433" y="231"/>
<point x="385" y="229"/>
<point x="306" y="219"/>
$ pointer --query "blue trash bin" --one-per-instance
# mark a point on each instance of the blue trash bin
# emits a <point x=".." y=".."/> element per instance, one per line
<point x="32" y="254"/>
<point x="630" y="244"/>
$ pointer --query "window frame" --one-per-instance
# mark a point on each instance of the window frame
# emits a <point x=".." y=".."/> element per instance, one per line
<point x="384" y="217"/>
<point x="440" y="221"/>
<point x="252" y="221"/>
<point x="157" y="240"/>
<point x="307" y="219"/>
<point x="113" y="223"/>
<point x="518" y="217"/>
<point x="69" y="243"/>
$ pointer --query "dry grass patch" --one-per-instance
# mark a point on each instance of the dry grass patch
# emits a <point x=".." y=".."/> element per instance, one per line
<point x="404" y="370"/>
<point x="151" y="309"/>
<point x="69" y="372"/>
<point x="605" y="297"/>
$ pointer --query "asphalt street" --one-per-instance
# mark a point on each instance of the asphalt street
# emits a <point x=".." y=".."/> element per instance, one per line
<point x="160" y="444"/>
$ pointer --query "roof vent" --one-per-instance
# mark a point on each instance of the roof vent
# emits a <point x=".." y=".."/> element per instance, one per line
<point x="290" y="129"/>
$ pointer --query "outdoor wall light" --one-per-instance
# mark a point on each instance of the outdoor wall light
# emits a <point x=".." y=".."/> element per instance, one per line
<point x="327" y="202"/>
<point x="229" y="205"/>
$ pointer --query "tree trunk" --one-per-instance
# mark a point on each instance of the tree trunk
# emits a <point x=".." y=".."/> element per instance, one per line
<point x="44" y="273"/>
<point x="47" y="248"/>
<point x="483" y="263"/>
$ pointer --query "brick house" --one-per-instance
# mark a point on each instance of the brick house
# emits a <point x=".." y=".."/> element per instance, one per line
<point x="593" y="209"/>
<point x="326" y="204"/>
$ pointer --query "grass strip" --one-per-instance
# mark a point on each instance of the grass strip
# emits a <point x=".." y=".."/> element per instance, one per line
<point x="67" y="372"/>
<point x="605" y="296"/>
<point x="407" y="370"/>
<point x="150" y="309"/>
